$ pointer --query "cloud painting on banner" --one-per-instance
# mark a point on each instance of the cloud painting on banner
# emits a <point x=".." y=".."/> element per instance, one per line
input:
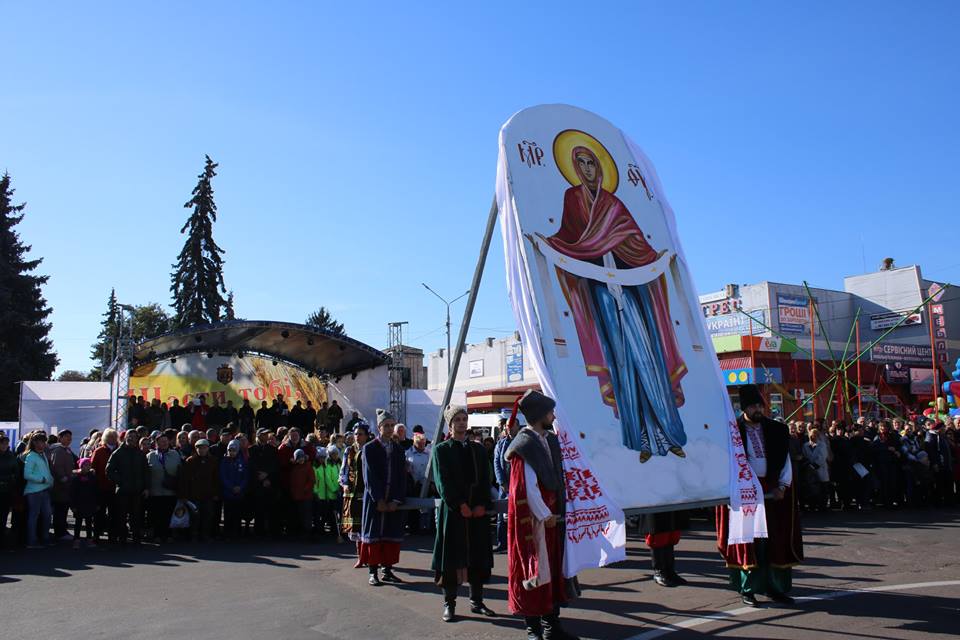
<point x="623" y="340"/>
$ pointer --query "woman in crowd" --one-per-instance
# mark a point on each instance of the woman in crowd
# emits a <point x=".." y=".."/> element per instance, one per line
<point x="39" y="480"/>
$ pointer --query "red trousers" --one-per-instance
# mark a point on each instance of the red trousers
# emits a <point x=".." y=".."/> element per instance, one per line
<point x="380" y="554"/>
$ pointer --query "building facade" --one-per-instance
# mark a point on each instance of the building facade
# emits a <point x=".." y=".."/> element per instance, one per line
<point x="772" y="334"/>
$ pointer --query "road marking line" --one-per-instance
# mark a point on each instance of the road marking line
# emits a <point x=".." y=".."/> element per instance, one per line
<point x="707" y="618"/>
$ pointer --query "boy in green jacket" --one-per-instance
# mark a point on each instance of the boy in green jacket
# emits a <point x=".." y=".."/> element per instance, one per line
<point x="326" y="490"/>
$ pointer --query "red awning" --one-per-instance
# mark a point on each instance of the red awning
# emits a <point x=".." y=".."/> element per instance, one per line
<point x="742" y="362"/>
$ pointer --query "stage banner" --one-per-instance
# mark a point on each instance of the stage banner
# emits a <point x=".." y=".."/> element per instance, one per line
<point x="225" y="378"/>
<point x="603" y="297"/>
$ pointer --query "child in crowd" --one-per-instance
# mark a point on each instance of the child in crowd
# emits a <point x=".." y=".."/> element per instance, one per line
<point x="83" y="501"/>
<point x="320" y="515"/>
<point x="334" y="498"/>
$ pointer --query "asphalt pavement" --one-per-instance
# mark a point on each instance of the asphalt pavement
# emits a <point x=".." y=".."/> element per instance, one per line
<point x="883" y="574"/>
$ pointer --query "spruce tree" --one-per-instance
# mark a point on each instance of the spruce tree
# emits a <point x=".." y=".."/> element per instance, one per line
<point x="230" y="313"/>
<point x="104" y="350"/>
<point x="26" y="352"/>
<point x="197" y="280"/>
<point x="323" y="319"/>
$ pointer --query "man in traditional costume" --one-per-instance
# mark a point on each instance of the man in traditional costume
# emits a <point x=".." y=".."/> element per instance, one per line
<point x="351" y="479"/>
<point x="462" y="550"/>
<point x="535" y="529"/>
<point x="764" y="566"/>
<point x="385" y="485"/>
<point x="662" y="533"/>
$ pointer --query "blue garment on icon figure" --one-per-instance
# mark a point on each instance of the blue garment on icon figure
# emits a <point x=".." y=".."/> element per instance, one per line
<point x="649" y="419"/>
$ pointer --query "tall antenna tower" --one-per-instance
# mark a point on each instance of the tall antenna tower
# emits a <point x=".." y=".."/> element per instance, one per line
<point x="398" y="405"/>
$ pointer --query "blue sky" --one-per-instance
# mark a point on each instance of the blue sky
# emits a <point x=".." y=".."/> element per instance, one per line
<point x="357" y="145"/>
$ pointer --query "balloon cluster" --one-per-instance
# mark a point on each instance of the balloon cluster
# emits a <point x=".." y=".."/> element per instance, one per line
<point x="948" y="404"/>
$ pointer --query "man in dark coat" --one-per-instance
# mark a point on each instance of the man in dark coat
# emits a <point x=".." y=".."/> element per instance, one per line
<point x="661" y="533"/>
<point x="199" y="482"/>
<point x="216" y="415"/>
<point x="765" y="565"/>
<point x="462" y="547"/>
<point x="264" y="482"/>
<point x="941" y="460"/>
<point x="178" y="415"/>
<point x="385" y="480"/>
<point x="9" y="470"/>
<point x="264" y="417"/>
<point x="334" y="417"/>
<point x="245" y="420"/>
<point x="310" y="418"/>
<point x="230" y="414"/>
<point x="127" y="469"/>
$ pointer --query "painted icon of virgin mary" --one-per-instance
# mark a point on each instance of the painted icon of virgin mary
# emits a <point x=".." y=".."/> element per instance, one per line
<point x="625" y="331"/>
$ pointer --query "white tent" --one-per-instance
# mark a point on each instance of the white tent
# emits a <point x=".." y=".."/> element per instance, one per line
<point x="54" y="406"/>
<point x="423" y="408"/>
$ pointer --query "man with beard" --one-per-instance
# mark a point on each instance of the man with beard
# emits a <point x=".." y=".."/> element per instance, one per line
<point x="765" y="565"/>
<point x="461" y="550"/>
<point x="535" y="529"/>
<point x="385" y="480"/>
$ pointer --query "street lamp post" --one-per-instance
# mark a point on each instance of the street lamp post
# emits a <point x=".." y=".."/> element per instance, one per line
<point x="448" y="303"/>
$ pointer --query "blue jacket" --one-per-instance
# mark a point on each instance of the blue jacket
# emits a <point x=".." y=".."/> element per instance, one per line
<point x="36" y="471"/>
<point x="234" y="472"/>
<point x="501" y="468"/>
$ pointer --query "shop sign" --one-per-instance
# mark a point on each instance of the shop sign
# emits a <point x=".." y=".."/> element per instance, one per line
<point x="899" y="352"/>
<point x="794" y="314"/>
<point x="882" y="321"/>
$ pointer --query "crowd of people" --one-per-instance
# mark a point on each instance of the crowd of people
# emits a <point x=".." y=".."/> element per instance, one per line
<point x="288" y="473"/>
<point x="230" y="472"/>
<point x="873" y="463"/>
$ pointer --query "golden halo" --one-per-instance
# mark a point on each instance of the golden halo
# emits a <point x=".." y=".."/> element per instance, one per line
<point x="563" y="146"/>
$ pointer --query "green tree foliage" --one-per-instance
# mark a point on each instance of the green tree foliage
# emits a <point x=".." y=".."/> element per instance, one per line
<point x="230" y="313"/>
<point x="72" y="375"/>
<point x="149" y="321"/>
<point x="145" y="321"/>
<point x="197" y="279"/>
<point x="26" y="351"/>
<point x="322" y="319"/>
<point x="104" y="350"/>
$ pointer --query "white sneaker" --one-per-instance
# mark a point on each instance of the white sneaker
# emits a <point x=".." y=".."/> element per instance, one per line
<point x="65" y="537"/>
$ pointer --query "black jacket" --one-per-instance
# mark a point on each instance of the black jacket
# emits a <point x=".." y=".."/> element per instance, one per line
<point x="9" y="470"/>
<point x="127" y="469"/>
<point x="263" y="458"/>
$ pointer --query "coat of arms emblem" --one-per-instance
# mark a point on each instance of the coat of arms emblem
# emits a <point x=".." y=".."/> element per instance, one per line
<point x="224" y="374"/>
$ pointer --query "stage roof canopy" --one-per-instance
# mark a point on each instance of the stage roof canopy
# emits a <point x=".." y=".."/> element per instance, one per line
<point x="312" y="349"/>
